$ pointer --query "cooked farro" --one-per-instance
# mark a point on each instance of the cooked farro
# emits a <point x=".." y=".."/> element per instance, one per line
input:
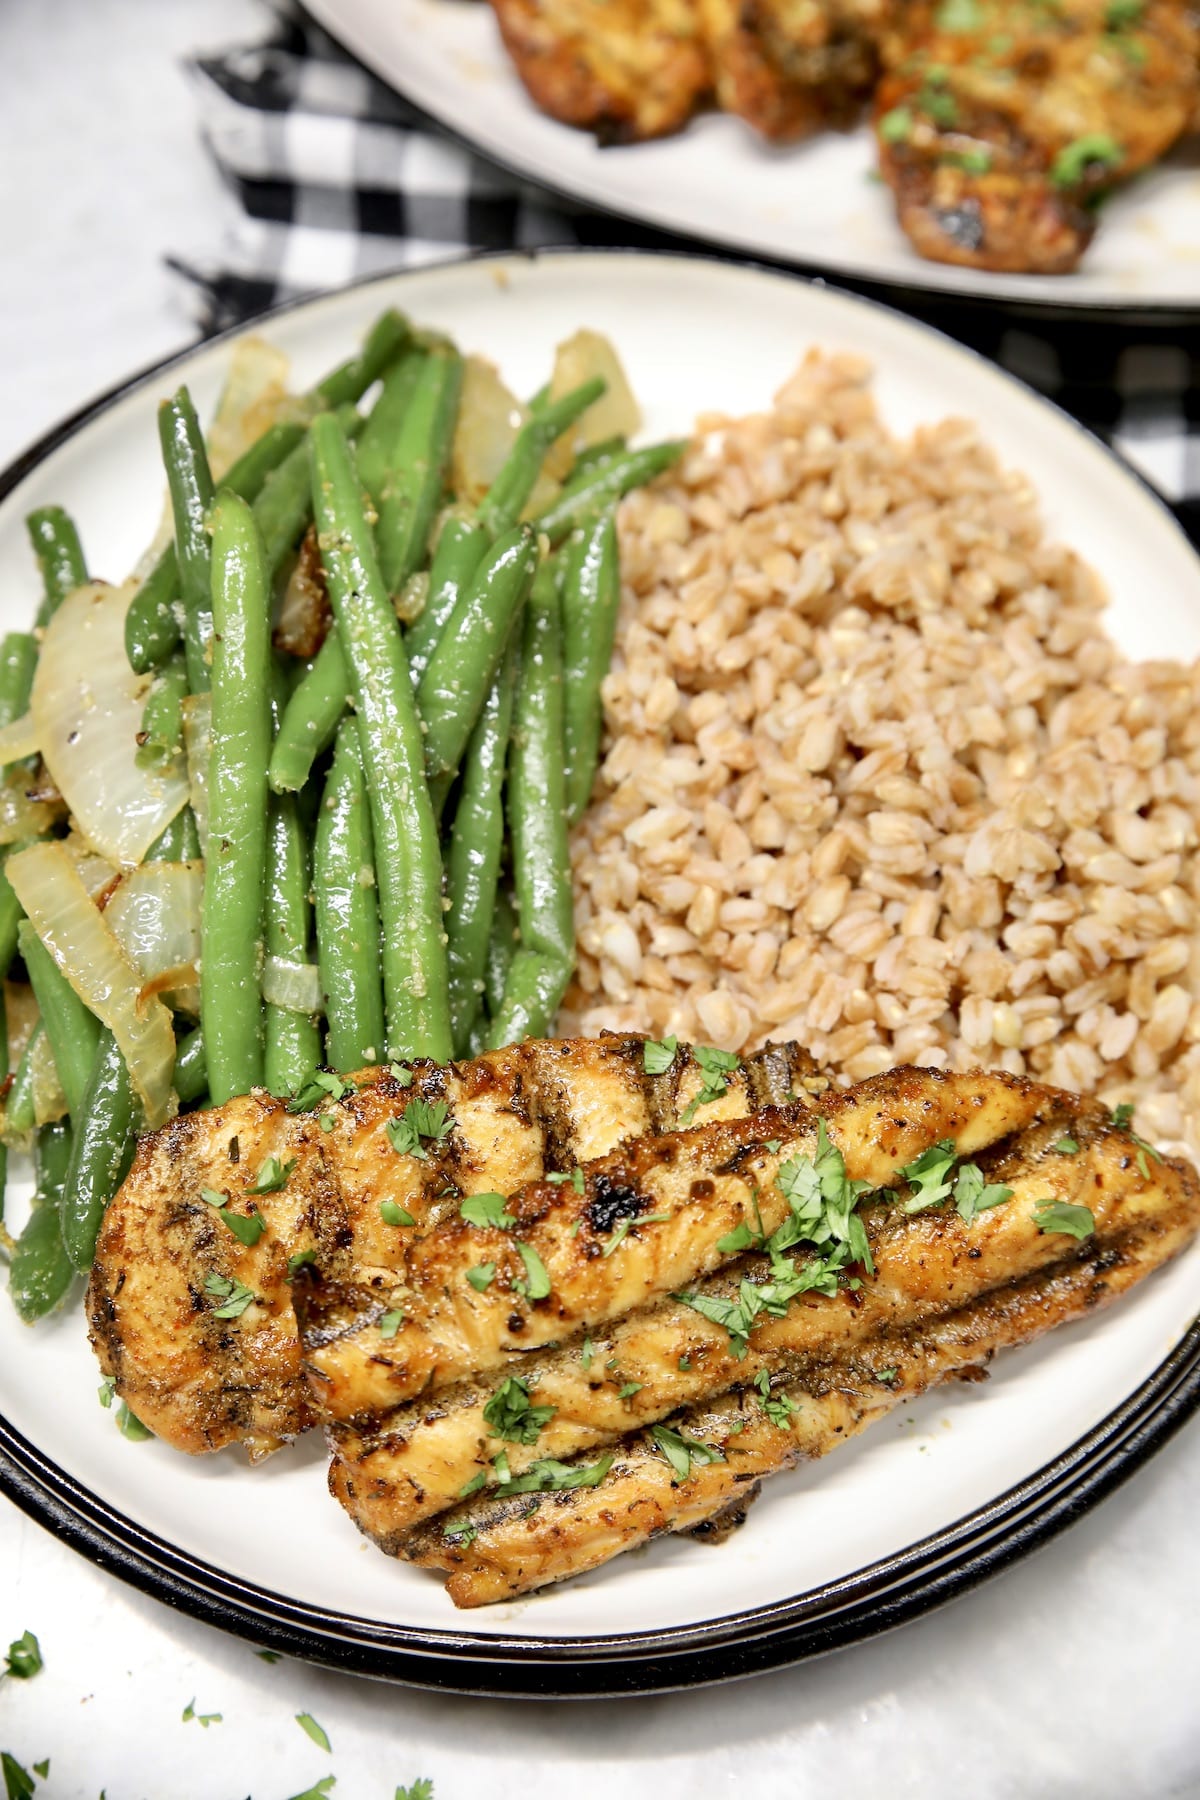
<point x="876" y="778"/>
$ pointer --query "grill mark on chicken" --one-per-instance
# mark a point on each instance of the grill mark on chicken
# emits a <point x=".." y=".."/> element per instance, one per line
<point x="518" y="1113"/>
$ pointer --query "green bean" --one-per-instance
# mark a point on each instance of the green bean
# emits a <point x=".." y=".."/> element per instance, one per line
<point x="161" y="736"/>
<point x="502" y="947"/>
<point x="254" y="467"/>
<point x="458" y="553"/>
<point x="102" y="1150"/>
<point x="41" y="1270"/>
<point x="60" y="557"/>
<point x="177" y="842"/>
<point x="468" y="653"/>
<point x="536" y="804"/>
<point x="191" y="1067"/>
<point x="408" y="861"/>
<point x="190" y="481"/>
<point x="310" y="719"/>
<point x="19" y="1115"/>
<point x="18" y="660"/>
<point x="385" y="421"/>
<point x="10" y="914"/>
<point x="3" y="1077"/>
<point x="348" y="945"/>
<point x="585" y="494"/>
<point x="387" y="337"/>
<point x="476" y="847"/>
<point x="73" y="1031"/>
<point x="505" y="500"/>
<point x="293" y="1042"/>
<point x="415" y="471"/>
<point x="234" y="871"/>
<point x="591" y="596"/>
<point x="598" y="456"/>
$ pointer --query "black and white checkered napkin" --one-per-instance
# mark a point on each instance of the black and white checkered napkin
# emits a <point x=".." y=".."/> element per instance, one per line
<point x="336" y="176"/>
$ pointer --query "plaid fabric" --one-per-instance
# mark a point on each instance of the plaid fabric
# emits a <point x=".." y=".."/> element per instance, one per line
<point x="335" y="176"/>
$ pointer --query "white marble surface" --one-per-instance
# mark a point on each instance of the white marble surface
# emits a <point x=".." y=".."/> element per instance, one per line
<point x="1074" y="1674"/>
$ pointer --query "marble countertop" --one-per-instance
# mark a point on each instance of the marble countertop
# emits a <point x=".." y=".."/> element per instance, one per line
<point x="1075" y="1673"/>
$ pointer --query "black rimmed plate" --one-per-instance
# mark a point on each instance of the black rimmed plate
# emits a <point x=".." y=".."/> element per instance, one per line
<point x="930" y="1499"/>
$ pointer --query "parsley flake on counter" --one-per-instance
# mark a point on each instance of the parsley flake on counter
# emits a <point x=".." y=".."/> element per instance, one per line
<point x="1066" y="1146"/>
<point x="777" y="1408"/>
<point x="420" y="1789"/>
<point x="574" y="1176"/>
<point x="482" y="1276"/>
<point x="536" y="1285"/>
<point x="234" y="1295"/>
<point x="319" y="1790"/>
<point x="421" y="1122"/>
<point x="269" y="1656"/>
<point x="206" y="1719"/>
<point x="486" y="1210"/>
<point x="715" y="1066"/>
<point x="390" y="1323"/>
<point x="42" y="1768"/>
<point x="303" y="1259"/>
<point x="626" y="1226"/>
<point x="510" y="1413"/>
<point x="657" y="1057"/>
<point x="131" y="1427"/>
<point x="316" y="1732"/>
<point x="24" y="1659"/>
<point x="1060" y="1215"/>
<point x="929" y="1176"/>
<point x="549" y="1476"/>
<point x="683" y="1452"/>
<point x="18" y="1782"/>
<point x="392" y="1213"/>
<point x="272" y="1176"/>
<point x="973" y="1195"/>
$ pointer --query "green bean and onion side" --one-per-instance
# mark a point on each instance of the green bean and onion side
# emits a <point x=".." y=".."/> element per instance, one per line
<point x="353" y="851"/>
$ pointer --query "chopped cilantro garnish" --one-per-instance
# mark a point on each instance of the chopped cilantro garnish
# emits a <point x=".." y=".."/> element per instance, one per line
<point x="392" y="1213"/>
<point x="42" y="1768"/>
<point x="574" y="1176"/>
<point x="420" y="1789"/>
<point x="24" y="1659"/>
<point x="106" y="1390"/>
<point x="684" y="1363"/>
<point x="955" y="16"/>
<point x="390" y="1323"/>
<point x="626" y="1226"/>
<point x="777" y="1408"/>
<point x="486" y="1210"/>
<point x="888" y="1375"/>
<point x="510" y="1413"/>
<point x="536" y="1285"/>
<point x="586" y="1353"/>
<point x="234" y="1295"/>
<point x="658" y="1057"/>
<point x="421" y="1121"/>
<point x="131" y="1427"/>
<point x="1067" y="1146"/>
<point x="1122" y="13"/>
<point x="462" y="1535"/>
<point x="482" y="1276"/>
<point x="683" y="1452"/>
<point x="1145" y="1150"/>
<point x="715" y="1066"/>
<point x="976" y="161"/>
<point x="303" y="1259"/>
<point x="547" y="1475"/>
<point x="212" y="1197"/>
<point x="972" y="1195"/>
<point x="630" y="1388"/>
<point x="1096" y="149"/>
<point x="1122" y="1115"/>
<point x="316" y="1732"/>
<point x="320" y="1086"/>
<point x="272" y="1175"/>
<point x="929" y="1176"/>
<point x="206" y="1719"/>
<point x="473" y="1486"/>
<point x="18" y="1782"/>
<point x="1060" y="1215"/>
<point x="318" y="1791"/>
<point x="246" y="1227"/>
<point x="896" y="126"/>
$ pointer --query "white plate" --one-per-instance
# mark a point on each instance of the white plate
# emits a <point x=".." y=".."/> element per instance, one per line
<point x="813" y="203"/>
<point x="251" y="1534"/>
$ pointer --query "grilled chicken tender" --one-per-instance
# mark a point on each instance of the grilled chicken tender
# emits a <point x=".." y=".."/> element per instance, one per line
<point x="836" y="1384"/>
<point x="393" y="1472"/>
<point x="627" y="70"/>
<point x="792" y="67"/>
<point x="1004" y="121"/>
<point x="167" y="1266"/>
<point x="643" y="1221"/>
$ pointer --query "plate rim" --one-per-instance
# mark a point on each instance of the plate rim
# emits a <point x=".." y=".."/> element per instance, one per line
<point x="1151" y="311"/>
<point x="847" y="1610"/>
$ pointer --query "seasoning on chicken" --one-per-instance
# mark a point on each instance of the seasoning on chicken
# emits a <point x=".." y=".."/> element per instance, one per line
<point x="792" y="67"/>
<point x="560" y="1518"/>
<point x="1003" y="123"/>
<point x="198" y="1325"/>
<point x="627" y="70"/>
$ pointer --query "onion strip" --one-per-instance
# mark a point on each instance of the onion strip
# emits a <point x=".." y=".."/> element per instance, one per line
<point x="292" y="986"/>
<point x="74" y="931"/>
